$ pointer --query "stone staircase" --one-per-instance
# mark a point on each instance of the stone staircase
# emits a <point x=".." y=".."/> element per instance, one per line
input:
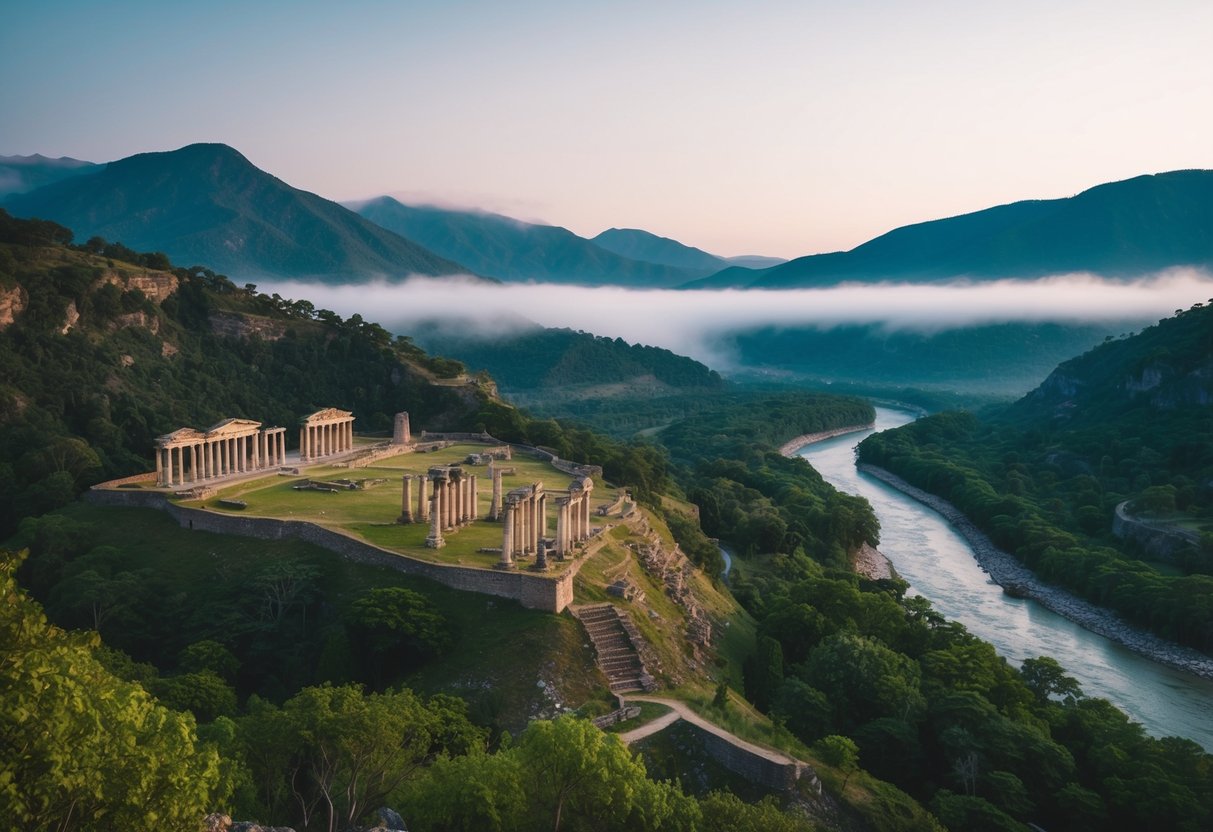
<point x="617" y="656"/>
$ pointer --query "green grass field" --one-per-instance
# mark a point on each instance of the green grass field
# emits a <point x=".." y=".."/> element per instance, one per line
<point x="371" y="512"/>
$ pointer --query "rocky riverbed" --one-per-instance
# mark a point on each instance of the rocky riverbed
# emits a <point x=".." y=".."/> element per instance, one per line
<point x="1013" y="576"/>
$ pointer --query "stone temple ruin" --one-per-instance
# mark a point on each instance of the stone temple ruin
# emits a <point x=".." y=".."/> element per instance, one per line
<point x="453" y="502"/>
<point x="233" y="446"/>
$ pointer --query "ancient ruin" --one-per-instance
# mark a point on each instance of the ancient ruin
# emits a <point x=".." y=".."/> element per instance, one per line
<point x="400" y="430"/>
<point x="525" y="522"/>
<point x="325" y="433"/>
<point x="453" y="503"/>
<point x="233" y="446"/>
<point x="573" y="516"/>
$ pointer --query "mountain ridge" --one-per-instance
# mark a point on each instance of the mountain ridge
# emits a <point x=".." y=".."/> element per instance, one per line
<point x="513" y="250"/>
<point x="206" y="203"/>
<point x="1117" y="229"/>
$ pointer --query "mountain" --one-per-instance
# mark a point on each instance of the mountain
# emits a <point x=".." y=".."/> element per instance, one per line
<point x="642" y="245"/>
<point x="755" y="261"/>
<point x="205" y="203"/>
<point x="19" y="174"/>
<point x="575" y="363"/>
<point x="1000" y="359"/>
<point x="1163" y="373"/>
<point x="1120" y="230"/>
<point x="512" y="250"/>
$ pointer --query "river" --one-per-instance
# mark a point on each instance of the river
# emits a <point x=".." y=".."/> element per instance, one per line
<point x="937" y="562"/>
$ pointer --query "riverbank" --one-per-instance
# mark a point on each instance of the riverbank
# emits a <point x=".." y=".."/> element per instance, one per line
<point x="867" y="561"/>
<point x="1009" y="573"/>
<point x="790" y="447"/>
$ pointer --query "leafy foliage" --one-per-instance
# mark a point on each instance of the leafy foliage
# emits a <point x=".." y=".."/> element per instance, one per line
<point x="86" y="750"/>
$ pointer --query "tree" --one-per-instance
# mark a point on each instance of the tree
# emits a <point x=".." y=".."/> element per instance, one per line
<point x="576" y="770"/>
<point x="331" y="754"/>
<point x="1046" y="678"/>
<point x="396" y="627"/>
<point x="84" y="749"/>
<point x="841" y="753"/>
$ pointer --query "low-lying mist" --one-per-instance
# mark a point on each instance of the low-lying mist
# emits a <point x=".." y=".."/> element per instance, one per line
<point x="693" y="322"/>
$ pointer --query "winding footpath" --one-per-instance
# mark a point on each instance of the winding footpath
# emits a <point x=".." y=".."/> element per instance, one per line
<point x="1006" y="571"/>
<point x="756" y="763"/>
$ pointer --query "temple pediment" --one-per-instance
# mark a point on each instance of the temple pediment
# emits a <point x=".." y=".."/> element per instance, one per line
<point x="232" y="427"/>
<point x="180" y="435"/>
<point x="328" y="414"/>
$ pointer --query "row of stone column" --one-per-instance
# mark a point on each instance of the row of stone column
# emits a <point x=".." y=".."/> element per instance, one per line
<point x="524" y="516"/>
<point x="316" y="441"/>
<point x="573" y="516"/>
<point x="220" y="457"/>
<point x="452" y="504"/>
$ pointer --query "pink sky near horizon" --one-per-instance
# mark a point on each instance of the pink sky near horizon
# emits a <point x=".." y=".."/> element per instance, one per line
<point x="775" y="128"/>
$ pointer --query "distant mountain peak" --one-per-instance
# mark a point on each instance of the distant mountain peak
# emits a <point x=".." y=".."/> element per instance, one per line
<point x="1118" y="229"/>
<point x="207" y="203"/>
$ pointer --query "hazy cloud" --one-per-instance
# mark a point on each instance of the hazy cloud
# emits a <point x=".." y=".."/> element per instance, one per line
<point x="690" y="322"/>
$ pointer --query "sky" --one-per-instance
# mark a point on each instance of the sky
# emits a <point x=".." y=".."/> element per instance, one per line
<point x="768" y="128"/>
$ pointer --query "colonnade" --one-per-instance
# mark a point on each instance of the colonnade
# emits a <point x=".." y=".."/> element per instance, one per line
<point x="325" y="433"/>
<point x="233" y="446"/>
<point x="524" y="515"/>
<point x="573" y="516"/>
<point x="452" y="504"/>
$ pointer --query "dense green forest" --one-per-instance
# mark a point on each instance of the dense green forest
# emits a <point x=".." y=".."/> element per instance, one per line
<point x="1130" y="420"/>
<point x="543" y="358"/>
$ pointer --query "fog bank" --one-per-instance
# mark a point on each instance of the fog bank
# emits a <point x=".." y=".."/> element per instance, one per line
<point x="690" y="322"/>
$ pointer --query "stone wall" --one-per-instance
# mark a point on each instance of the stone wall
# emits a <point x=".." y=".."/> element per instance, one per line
<point x="755" y="767"/>
<point x="1159" y="541"/>
<point x="530" y="590"/>
<point x="147" y="476"/>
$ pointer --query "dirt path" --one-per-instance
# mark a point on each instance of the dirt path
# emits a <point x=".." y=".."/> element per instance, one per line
<point x="679" y="710"/>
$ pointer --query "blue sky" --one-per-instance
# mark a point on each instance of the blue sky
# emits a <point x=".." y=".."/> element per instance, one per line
<point x="771" y="128"/>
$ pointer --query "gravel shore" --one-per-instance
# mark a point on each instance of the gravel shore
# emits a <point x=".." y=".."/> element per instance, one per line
<point x="1011" y="574"/>
<point x="790" y="447"/>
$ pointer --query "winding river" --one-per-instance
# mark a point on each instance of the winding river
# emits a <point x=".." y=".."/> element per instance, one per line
<point x="938" y="563"/>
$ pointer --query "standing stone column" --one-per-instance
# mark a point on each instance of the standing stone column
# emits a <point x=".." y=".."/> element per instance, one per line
<point x="495" y="504"/>
<point x="406" y="500"/>
<point x="159" y="466"/>
<point x="562" y="527"/>
<point x="423" y="503"/>
<point x="350" y="429"/>
<point x="435" y="541"/>
<point x="507" y="541"/>
<point x="475" y="507"/>
<point x="193" y="463"/>
<point x="450" y="501"/>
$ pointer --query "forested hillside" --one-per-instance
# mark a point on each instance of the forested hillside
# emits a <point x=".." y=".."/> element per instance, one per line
<point x="1130" y="420"/>
<point x="93" y="368"/>
<point x="535" y="359"/>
